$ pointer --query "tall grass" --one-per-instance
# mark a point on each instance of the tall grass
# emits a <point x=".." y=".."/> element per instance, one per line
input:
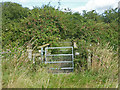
<point x="19" y="72"/>
<point x="105" y="64"/>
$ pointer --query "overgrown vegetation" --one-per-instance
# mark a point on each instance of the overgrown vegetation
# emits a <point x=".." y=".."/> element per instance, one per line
<point x="97" y="32"/>
<point x="19" y="72"/>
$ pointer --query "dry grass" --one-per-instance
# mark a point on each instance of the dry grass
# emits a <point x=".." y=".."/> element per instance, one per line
<point x="104" y="58"/>
<point x="105" y="62"/>
<point x="19" y="72"/>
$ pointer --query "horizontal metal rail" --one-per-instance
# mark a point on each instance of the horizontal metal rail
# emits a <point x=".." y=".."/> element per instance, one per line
<point x="63" y="68"/>
<point x="59" y="62"/>
<point x="60" y="55"/>
<point x="71" y="62"/>
<point x="65" y="42"/>
<point x="57" y="47"/>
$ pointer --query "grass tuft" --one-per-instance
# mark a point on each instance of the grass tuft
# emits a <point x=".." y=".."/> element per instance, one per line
<point x="19" y="72"/>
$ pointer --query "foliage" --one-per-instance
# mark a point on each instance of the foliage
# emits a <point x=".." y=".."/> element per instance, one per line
<point x="41" y="25"/>
<point x="11" y="15"/>
<point x="19" y="72"/>
<point x="49" y="25"/>
<point x="13" y="11"/>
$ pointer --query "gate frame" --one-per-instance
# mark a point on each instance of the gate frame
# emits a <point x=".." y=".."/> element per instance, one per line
<point x="60" y="55"/>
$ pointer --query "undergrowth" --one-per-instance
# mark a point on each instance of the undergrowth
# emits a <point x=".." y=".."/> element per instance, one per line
<point x="20" y="72"/>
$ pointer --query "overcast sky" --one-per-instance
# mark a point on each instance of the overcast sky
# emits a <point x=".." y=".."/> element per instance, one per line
<point x="74" y="5"/>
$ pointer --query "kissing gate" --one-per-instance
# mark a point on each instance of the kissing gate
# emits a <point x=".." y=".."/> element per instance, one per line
<point x="59" y="59"/>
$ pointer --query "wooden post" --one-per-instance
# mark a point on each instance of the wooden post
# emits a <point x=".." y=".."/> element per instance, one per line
<point x="89" y="59"/>
<point x="29" y="53"/>
<point x="34" y="55"/>
<point x="75" y="45"/>
<point x="42" y="50"/>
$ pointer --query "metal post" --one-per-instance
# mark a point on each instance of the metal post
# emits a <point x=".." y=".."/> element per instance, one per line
<point x="39" y="52"/>
<point x="46" y="53"/>
<point x="72" y="59"/>
<point x="42" y="54"/>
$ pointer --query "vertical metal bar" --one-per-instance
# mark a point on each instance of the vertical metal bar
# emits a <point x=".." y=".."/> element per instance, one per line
<point x="42" y="54"/>
<point x="1" y="45"/>
<point x="46" y="53"/>
<point x="72" y="59"/>
<point x="71" y="56"/>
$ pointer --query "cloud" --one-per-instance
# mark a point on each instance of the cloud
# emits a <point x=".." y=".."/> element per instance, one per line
<point x="119" y="4"/>
<point x="74" y="5"/>
<point x="30" y="7"/>
<point x="26" y="1"/>
<point x="98" y="5"/>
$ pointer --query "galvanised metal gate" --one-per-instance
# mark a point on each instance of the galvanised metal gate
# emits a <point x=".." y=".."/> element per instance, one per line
<point x="59" y="58"/>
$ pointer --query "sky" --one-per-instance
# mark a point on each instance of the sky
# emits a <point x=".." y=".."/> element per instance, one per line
<point x="75" y="5"/>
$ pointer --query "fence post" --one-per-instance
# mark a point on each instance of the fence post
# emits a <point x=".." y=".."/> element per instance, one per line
<point x="34" y="58"/>
<point x="89" y="59"/>
<point x="29" y="53"/>
<point x="75" y="45"/>
<point x="42" y="54"/>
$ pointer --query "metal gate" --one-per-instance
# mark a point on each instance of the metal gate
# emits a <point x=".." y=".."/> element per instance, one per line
<point x="59" y="58"/>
